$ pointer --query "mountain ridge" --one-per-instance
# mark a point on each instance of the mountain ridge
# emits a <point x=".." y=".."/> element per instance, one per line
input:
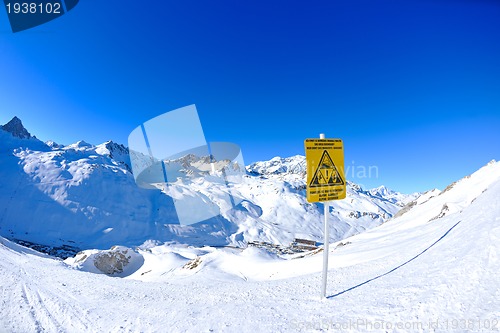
<point x="84" y="195"/>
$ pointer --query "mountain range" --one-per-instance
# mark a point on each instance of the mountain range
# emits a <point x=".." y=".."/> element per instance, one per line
<point x="84" y="196"/>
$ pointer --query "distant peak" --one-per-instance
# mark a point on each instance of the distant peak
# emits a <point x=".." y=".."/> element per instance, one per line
<point x="112" y="146"/>
<point x="382" y="190"/>
<point x="79" y="145"/>
<point x="53" y="144"/>
<point x="16" y="128"/>
<point x="112" y="149"/>
<point x="278" y="165"/>
<point x="82" y="143"/>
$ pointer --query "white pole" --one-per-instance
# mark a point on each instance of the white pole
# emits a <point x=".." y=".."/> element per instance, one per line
<point x="325" y="251"/>
<point x="326" y="243"/>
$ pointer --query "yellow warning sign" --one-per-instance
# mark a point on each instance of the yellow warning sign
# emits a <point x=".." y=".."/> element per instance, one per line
<point x="325" y="170"/>
<point x="326" y="173"/>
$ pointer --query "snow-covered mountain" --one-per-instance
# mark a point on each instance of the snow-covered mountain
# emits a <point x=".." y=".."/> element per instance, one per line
<point x="393" y="196"/>
<point x="280" y="166"/>
<point x="433" y="268"/>
<point x="85" y="196"/>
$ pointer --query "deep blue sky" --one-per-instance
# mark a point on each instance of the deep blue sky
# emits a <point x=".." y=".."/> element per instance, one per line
<point x="411" y="86"/>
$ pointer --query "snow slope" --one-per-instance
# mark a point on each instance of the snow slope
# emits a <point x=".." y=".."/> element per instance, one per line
<point x="84" y="196"/>
<point x="429" y="270"/>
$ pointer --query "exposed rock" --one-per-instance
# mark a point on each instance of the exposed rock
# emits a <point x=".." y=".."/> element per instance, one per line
<point x="405" y="209"/>
<point x="192" y="264"/>
<point x="16" y="128"/>
<point x="115" y="260"/>
<point x="442" y="213"/>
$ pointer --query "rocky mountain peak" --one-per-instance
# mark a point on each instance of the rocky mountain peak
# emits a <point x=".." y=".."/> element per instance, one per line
<point x="16" y="128"/>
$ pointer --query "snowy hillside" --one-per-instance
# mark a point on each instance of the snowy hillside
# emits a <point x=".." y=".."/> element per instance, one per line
<point x="84" y="196"/>
<point x="432" y="269"/>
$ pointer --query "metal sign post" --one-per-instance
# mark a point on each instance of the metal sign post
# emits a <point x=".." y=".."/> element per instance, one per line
<point x="325" y="182"/>
<point x="326" y="243"/>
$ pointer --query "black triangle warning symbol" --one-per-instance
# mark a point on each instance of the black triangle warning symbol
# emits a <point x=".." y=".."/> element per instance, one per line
<point x="326" y="173"/>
